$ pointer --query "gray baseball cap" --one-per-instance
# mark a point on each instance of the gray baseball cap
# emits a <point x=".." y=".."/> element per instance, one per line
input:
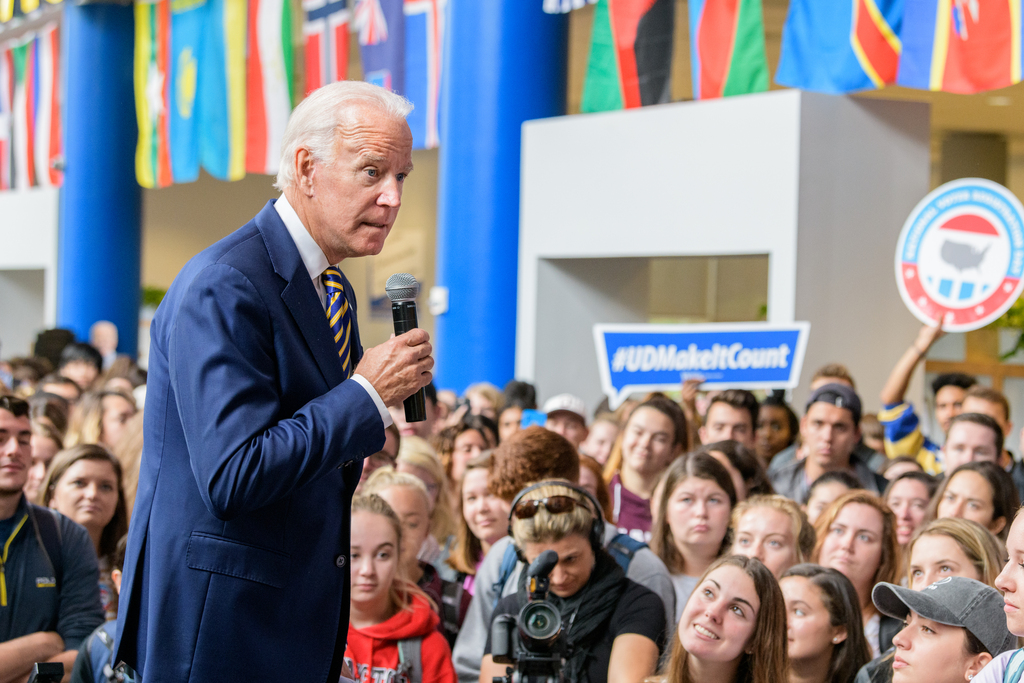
<point x="839" y="395"/>
<point x="954" y="601"/>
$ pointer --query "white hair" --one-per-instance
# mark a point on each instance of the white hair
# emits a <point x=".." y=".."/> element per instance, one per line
<point x="314" y="123"/>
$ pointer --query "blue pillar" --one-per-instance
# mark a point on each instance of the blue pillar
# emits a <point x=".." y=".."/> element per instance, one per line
<point x="100" y="238"/>
<point x="505" y="63"/>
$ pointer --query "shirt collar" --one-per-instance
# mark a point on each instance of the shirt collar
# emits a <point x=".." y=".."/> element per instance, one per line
<point x="312" y="255"/>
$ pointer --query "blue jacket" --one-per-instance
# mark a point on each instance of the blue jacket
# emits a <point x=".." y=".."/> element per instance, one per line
<point x="237" y="559"/>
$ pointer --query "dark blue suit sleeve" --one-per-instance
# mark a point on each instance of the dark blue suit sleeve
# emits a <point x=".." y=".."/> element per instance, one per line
<point x="244" y="453"/>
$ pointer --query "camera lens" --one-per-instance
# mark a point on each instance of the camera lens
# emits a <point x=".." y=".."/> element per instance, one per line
<point x="539" y="624"/>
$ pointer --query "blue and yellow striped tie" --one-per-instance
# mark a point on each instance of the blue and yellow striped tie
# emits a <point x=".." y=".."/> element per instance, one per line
<point x="339" y="316"/>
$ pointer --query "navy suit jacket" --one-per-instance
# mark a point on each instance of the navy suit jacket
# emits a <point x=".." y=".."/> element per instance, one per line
<point x="237" y="563"/>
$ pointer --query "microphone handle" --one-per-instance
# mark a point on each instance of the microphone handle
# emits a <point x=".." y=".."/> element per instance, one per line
<point x="404" y="313"/>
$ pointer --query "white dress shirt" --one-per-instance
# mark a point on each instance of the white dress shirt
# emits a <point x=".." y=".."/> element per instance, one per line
<point x="316" y="263"/>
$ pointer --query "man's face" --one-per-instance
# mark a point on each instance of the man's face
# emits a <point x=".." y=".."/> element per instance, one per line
<point x="422" y="429"/>
<point x="948" y="404"/>
<point x="15" y="452"/>
<point x="354" y="201"/>
<point x="969" y="442"/>
<point x="726" y="423"/>
<point x="567" y="424"/>
<point x="829" y="434"/>
<point x="83" y="374"/>
<point x="974" y="404"/>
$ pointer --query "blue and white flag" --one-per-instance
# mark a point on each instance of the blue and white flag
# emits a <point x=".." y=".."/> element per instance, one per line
<point x="641" y="358"/>
<point x="381" y="28"/>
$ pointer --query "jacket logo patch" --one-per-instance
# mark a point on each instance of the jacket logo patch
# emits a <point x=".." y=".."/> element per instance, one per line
<point x="46" y="582"/>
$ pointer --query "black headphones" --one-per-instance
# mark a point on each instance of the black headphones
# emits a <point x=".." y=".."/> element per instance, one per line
<point x="596" y="529"/>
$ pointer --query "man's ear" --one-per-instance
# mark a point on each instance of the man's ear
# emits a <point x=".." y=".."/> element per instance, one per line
<point x="305" y="171"/>
<point x="976" y="664"/>
<point x="702" y="432"/>
<point x="997" y="525"/>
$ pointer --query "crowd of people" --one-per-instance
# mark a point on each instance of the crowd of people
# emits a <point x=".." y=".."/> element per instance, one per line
<point x="717" y="537"/>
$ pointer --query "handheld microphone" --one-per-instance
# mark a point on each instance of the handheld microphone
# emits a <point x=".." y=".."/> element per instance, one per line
<point x="403" y="289"/>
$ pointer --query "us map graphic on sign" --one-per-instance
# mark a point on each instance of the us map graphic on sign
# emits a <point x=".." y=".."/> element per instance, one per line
<point x="960" y="256"/>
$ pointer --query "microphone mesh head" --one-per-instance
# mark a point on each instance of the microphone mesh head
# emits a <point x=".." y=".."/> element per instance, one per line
<point x="402" y="287"/>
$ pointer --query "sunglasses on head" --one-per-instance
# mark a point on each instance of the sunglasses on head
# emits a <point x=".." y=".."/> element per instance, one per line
<point x="556" y="505"/>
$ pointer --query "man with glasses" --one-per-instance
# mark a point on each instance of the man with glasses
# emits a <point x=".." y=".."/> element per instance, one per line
<point x="49" y="593"/>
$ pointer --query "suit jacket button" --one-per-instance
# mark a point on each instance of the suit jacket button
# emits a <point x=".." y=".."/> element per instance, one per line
<point x="340" y="561"/>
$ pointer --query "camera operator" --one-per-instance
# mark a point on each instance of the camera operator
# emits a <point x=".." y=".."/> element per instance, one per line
<point x="613" y="628"/>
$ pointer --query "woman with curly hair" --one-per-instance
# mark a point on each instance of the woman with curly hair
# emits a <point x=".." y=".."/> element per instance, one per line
<point x="460" y="443"/>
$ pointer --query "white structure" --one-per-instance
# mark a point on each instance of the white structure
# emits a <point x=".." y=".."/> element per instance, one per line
<point x="819" y="184"/>
<point x="28" y="267"/>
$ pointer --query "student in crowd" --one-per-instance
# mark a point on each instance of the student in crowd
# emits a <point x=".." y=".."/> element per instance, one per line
<point x="972" y="437"/>
<point x="731" y="416"/>
<point x="59" y="385"/>
<point x="979" y="491"/>
<point x="733" y="628"/>
<point x="953" y="547"/>
<point x="416" y="457"/>
<point x="483" y="520"/>
<point x="824" y="627"/>
<point x="872" y="433"/>
<point x="592" y="479"/>
<point x="407" y="497"/>
<point x="601" y="436"/>
<point x="653" y="437"/>
<point x="509" y="421"/>
<point x="774" y="530"/>
<point x="908" y="496"/>
<point x="46" y="443"/>
<point x="691" y="524"/>
<point x="460" y="443"/>
<point x="434" y="411"/>
<point x="536" y="454"/>
<point x="748" y="475"/>
<point x="830" y="432"/>
<point x="485" y="399"/>
<point x="831" y="373"/>
<point x="567" y="415"/>
<point x="903" y="434"/>
<point x="39" y="621"/>
<point x="50" y="408"/>
<point x="857" y="536"/>
<point x="81" y="363"/>
<point x="609" y="633"/>
<point x="987" y="401"/>
<point x="391" y="620"/>
<point x="894" y="467"/>
<point x="826" y="489"/>
<point x="1008" y="667"/>
<point x="519" y="393"/>
<point x="84" y="485"/>
<point x="777" y="428"/>
<point x="953" y="628"/>
<point x="99" y="418"/>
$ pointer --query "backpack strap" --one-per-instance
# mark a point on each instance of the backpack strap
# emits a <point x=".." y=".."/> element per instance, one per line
<point x="48" y="526"/>
<point x="508" y="565"/>
<point x="410" y="664"/>
<point x="1014" y="667"/>
<point x="623" y="547"/>
<point x="451" y="604"/>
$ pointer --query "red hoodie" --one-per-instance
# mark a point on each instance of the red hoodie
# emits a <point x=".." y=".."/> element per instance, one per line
<point x="372" y="652"/>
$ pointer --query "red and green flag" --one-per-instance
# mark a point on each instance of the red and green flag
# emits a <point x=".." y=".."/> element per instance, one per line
<point x="727" y="48"/>
<point x="630" y="62"/>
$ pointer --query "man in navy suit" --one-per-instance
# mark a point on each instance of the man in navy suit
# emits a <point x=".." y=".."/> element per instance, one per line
<point x="260" y="408"/>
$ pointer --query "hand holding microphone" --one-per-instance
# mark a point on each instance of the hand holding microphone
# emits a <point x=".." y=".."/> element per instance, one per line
<point x="400" y="367"/>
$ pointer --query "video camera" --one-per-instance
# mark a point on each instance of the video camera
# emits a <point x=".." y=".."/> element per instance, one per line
<point x="531" y="642"/>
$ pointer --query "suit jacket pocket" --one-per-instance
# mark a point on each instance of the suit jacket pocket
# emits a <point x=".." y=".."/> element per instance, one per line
<point x="220" y="555"/>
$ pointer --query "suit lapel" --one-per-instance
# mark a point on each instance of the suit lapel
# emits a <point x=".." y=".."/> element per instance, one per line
<point x="299" y="295"/>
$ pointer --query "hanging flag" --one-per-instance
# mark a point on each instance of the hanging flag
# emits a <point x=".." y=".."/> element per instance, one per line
<point x="424" y="38"/>
<point x="842" y="46"/>
<point x="565" y="6"/>
<point x="47" y="144"/>
<point x="961" y="46"/>
<point x="152" y="93"/>
<point x="727" y="48"/>
<point x="268" y="83"/>
<point x="23" y="110"/>
<point x="187" y="40"/>
<point x="221" y="97"/>
<point x="6" y="84"/>
<point x="630" y="60"/>
<point x="326" y="33"/>
<point x="381" y="27"/>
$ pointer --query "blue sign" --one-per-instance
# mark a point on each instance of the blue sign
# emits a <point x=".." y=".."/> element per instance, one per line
<point x="641" y="358"/>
